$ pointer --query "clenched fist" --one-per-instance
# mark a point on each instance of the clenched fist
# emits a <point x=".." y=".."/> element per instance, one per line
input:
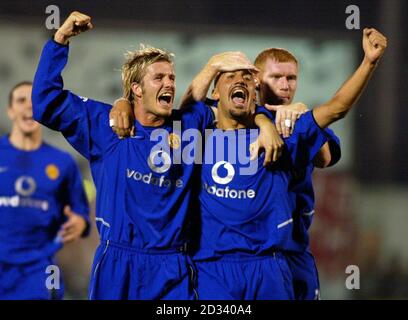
<point x="75" y="24"/>
<point x="374" y="44"/>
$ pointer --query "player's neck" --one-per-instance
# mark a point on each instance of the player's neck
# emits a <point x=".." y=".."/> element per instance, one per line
<point x="146" y="118"/>
<point x="26" y="142"/>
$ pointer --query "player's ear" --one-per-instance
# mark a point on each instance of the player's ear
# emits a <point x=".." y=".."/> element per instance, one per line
<point x="257" y="85"/>
<point x="137" y="89"/>
<point x="10" y="113"/>
<point x="215" y="94"/>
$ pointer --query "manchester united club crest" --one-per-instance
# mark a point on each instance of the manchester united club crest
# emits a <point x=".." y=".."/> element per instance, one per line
<point x="52" y="172"/>
<point x="174" y="141"/>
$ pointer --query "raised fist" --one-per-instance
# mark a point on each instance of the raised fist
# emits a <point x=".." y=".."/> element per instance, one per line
<point x="374" y="44"/>
<point x="75" y="24"/>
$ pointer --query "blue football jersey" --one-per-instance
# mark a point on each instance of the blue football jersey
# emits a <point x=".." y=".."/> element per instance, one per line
<point x="144" y="191"/>
<point x="34" y="188"/>
<point x="245" y="207"/>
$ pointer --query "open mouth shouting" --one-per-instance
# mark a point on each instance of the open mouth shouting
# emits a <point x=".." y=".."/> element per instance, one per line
<point x="166" y="99"/>
<point x="28" y="119"/>
<point x="239" y="95"/>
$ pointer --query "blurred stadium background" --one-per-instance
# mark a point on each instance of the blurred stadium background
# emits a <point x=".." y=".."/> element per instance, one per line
<point x="361" y="214"/>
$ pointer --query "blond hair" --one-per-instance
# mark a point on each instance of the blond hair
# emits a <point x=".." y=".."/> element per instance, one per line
<point x="277" y="54"/>
<point x="134" y="68"/>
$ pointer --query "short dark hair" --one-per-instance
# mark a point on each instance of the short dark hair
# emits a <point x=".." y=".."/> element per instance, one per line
<point x="217" y="77"/>
<point x="18" y="85"/>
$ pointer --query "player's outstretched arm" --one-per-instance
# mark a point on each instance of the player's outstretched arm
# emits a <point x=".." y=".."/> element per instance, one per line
<point x="374" y="44"/>
<point x="52" y="105"/>
<point x="60" y="109"/>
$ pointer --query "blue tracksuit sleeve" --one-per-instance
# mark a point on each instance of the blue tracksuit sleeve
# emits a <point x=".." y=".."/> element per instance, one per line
<point x="334" y="145"/>
<point x="306" y="140"/>
<point x="201" y="113"/>
<point x="262" y="110"/>
<point x="76" y="196"/>
<point x="83" y="122"/>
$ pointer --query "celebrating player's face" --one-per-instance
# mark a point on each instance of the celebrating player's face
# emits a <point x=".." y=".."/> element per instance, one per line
<point x="158" y="88"/>
<point x="236" y="93"/>
<point x="21" y="110"/>
<point x="278" y="82"/>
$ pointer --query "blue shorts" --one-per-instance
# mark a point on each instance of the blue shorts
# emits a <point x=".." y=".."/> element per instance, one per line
<point x="29" y="282"/>
<point x="245" y="278"/>
<point x="305" y="277"/>
<point x="120" y="272"/>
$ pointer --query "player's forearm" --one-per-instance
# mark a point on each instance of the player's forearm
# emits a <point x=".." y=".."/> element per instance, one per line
<point x="345" y="97"/>
<point x="198" y="89"/>
<point x="262" y="120"/>
<point x="265" y="124"/>
<point x="61" y="38"/>
<point x="268" y="139"/>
